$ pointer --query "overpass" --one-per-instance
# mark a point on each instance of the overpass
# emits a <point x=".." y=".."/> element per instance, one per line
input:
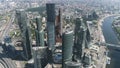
<point x="108" y="44"/>
<point x="7" y="27"/>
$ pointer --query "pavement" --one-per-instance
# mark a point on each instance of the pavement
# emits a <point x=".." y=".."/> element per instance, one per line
<point x="6" y="28"/>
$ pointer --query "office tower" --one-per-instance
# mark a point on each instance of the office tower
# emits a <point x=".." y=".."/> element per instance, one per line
<point x="58" y="27"/>
<point x="37" y="31"/>
<point x="41" y="33"/>
<point x="67" y="46"/>
<point x="21" y="19"/>
<point x="88" y="38"/>
<point x="38" y="23"/>
<point x="27" y="44"/>
<point x="23" y="23"/>
<point x="39" y="38"/>
<point x="77" y="28"/>
<point x="80" y="38"/>
<point x="59" y="22"/>
<point x="40" y="57"/>
<point x="51" y="25"/>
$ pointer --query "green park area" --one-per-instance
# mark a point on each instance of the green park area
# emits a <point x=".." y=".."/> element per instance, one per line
<point x="15" y="33"/>
<point x="116" y="28"/>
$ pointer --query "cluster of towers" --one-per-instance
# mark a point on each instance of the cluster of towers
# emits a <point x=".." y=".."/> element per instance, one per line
<point x="73" y="42"/>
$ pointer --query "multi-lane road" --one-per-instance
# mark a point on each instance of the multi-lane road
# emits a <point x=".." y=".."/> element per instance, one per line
<point x="6" y="62"/>
<point x="5" y="31"/>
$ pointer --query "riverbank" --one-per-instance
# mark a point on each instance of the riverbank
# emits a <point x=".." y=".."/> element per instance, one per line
<point x="100" y="23"/>
<point x="111" y="38"/>
<point x="102" y="38"/>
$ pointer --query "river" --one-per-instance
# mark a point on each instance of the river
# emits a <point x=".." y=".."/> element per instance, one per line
<point x="111" y="37"/>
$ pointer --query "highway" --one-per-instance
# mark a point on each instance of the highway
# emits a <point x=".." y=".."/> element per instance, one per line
<point x="6" y="30"/>
<point x="108" y="44"/>
<point x="5" y="61"/>
<point x="113" y="45"/>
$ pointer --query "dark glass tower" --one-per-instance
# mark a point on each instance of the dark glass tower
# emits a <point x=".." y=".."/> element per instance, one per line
<point x="37" y="31"/>
<point x="80" y="38"/>
<point x="51" y="25"/>
<point x="25" y="31"/>
<point x="67" y="47"/>
<point x="40" y="56"/>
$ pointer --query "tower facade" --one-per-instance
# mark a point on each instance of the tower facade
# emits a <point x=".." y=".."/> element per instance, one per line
<point x="23" y="23"/>
<point x="51" y="25"/>
<point x="67" y="47"/>
<point x="37" y="31"/>
<point x="40" y="57"/>
<point x="80" y="39"/>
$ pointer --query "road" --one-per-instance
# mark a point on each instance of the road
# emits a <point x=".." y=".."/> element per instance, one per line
<point x="6" y="30"/>
<point x="112" y="45"/>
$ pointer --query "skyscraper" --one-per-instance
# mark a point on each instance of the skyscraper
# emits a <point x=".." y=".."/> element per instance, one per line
<point x="80" y="38"/>
<point x="51" y="25"/>
<point x="40" y="56"/>
<point x="67" y="47"/>
<point x="38" y="29"/>
<point x="58" y="27"/>
<point x="25" y="31"/>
